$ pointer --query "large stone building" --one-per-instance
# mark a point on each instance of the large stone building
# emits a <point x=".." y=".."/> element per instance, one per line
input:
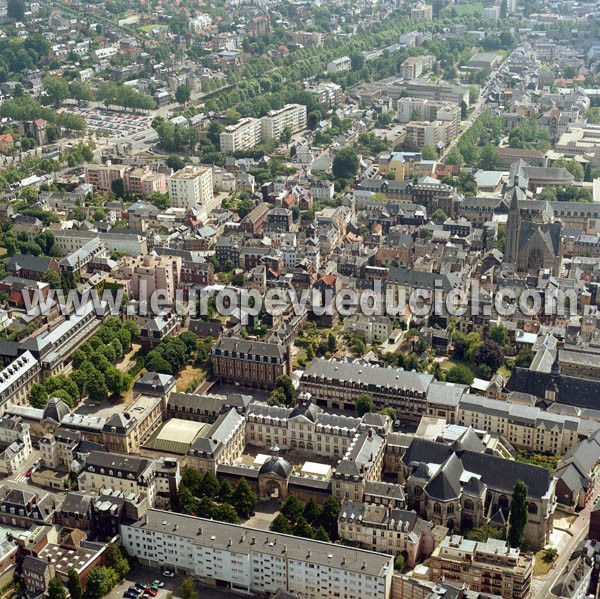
<point x="462" y="486"/>
<point x="337" y="385"/>
<point x="250" y="363"/>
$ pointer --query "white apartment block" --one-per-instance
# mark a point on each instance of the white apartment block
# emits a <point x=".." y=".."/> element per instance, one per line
<point x="244" y="135"/>
<point x="291" y="116"/>
<point x="420" y="109"/>
<point x="254" y="561"/>
<point x="70" y="240"/>
<point x="192" y="186"/>
<point x="15" y="444"/>
<point x="17" y="378"/>
<point x="337" y="65"/>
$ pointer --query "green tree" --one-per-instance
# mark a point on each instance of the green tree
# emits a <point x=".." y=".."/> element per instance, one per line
<point x="183" y="93"/>
<point x="38" y="396"/>
<point x="74" y="584"/>
<point x="117" y="561"/>
<point x="312" y="511"/>
<point x="225" y="491"/>
<point x="209" y="485"/>
<point x="489" y="354"/>
<point x="99" y="583"/>
<point x="499" y="334"/>
<point x="16" y="9"/>
<point x="331" y="343"/>
<point x="302" y="528"/>
<point x="292" y="508"/>
<point x="175" y="162"/>
<point x="285" y="383"/>
<point x="358" y="61"/>
<point x="524" y="358"/>
<point x="281" y="524"/>
<point x="225" y="513"/>
<point x="428" y="153"/>
<point x="454" y="157"/>
<point x="57" y="89"/>
<point x="186" y="502"/>
<point x="439" y="217"/>
<point x="345" y="164"/>
<point x="518" y="514"/>
<point x="187" y="589"/>
<point x="330" y="510"/>
<point x="243" y="498"/>
<point x="488" y="158"/>
<point x="484" y="532"/>
<point x="118" y="188"/>
<point x="56" y="590"/>
<point x="399" y="562"/>
<point x="364" y="404"/>
<point x="321" y="535"/>
<point x="459" y="373"/>
<point x="52" y="278"/>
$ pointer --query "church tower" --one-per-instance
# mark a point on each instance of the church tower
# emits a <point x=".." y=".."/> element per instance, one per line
<point x="513" y="227"/>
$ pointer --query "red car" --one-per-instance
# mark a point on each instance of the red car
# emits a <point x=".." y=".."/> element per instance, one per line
<point x="28" y="473"/>
<point x="150" y="592"/>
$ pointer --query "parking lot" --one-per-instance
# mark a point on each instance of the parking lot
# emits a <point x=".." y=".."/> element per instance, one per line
<point x="112" y="123"/>
<point x="147" y="575"/>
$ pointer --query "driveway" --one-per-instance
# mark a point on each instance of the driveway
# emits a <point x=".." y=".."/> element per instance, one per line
<point x="144" y="575"/>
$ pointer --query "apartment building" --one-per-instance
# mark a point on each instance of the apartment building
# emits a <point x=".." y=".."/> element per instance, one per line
<point x="385" y="529"/>
<point x="423" y="133"/>
<point x="17" y="378"/>
<point x="338" y="65"/>
<point x="144" y="182"/>
<point x="308" y="38"/>
<point x="256" y="562"/>
<point x="422" y="109"/>
<point x="291" y="117"/>
<point x="124" y="473"/>
<point x="336" y="384"/>
<point x="421" y="12"/>
<point x="244" y="135"/>
<point x="192" y="186"/>
<point x="150" y="274"/>
<point x="328" y="93"/>
<point x="492" y="567"/>
<point x="15" y="444"/>
<point x="102" y="176"/>
<point x="251" y="363"/>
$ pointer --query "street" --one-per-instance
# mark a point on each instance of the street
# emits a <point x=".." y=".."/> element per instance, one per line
<point x="543" y="586"/>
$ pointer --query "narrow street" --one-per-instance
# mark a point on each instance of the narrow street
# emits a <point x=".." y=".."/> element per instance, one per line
<point x="543" y="586"/>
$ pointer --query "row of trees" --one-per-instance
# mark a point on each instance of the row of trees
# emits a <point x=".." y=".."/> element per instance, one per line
<point x="95" y="374"/>
<point x="172" y="354"/>
<point x="204" y="496"/>
<point x="308" y="520"/>
<point x="28" y="109"/>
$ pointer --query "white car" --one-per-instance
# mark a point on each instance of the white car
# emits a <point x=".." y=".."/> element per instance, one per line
<point x="168" y="574"/>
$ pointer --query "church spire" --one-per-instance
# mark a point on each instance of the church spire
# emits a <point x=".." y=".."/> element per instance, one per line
<point x="513" y="226"/>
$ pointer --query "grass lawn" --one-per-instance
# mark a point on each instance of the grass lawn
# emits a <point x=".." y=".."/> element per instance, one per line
<point x="505" y="372"/>
<point x="448" y="364"/>
<point x="189" y="375"/>
<point x="541" y="566"/>
<point x="148" y="28"/>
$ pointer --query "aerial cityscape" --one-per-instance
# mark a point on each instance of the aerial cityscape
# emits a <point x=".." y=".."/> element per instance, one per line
<point x="300" y="299"/>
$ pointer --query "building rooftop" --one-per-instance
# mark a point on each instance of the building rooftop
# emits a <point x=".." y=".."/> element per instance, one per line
<point x="241" y="539"/>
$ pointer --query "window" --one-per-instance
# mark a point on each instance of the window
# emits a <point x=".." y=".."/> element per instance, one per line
<point x="437" y="509"/>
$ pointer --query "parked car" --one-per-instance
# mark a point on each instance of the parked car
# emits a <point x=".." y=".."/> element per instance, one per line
<point x="168" y="574"/>
<point x="140" y="586"/>
<point x="152" y="592"/>
<point x="29" y="472"/>
<point x="130" y="595"/>
<point x="159" y="583"/>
